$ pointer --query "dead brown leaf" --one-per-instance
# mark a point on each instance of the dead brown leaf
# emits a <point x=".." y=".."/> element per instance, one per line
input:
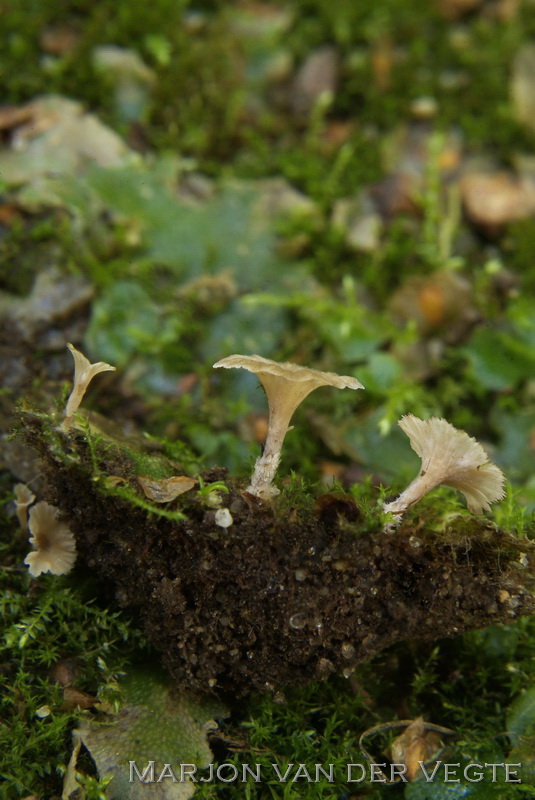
<point x="420" y="743"/>
<point x="13" y="116"/>
<point x="166" y="489"/>
<point x="415" y="746"/>
<point x="74" y="698"/>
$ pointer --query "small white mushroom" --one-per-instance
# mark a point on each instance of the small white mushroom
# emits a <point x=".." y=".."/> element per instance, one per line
<point x="24" y="497"/>
<point x="451" y="457"/>
<point x="84" y="372"/>
<point x="286" y="386"/>
<point x="223" y="518"/>
<point x="53" y="542"/>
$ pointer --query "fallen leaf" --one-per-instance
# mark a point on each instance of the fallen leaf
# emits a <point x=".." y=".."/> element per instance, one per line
<point x="454" y="9"/>
<point x="12" y="116"/>
<point x="114" y="480"/>
<point x="431" y="301"/>
<point x="166" y="489"/>
<point x="416" y="745"/>
<point x="156" y="724"/>
<point x="74" y="698"/>
<point x="420" y="742"/>
<point x="59" y="40"/>
<point x="317" y="76"/>
<point x="491" y="200"/>
<point x="59" y="137"/>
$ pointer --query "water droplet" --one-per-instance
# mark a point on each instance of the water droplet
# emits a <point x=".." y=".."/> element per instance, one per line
<point x="297" y="621"/>
<point x="312" y="551"/>
<point x="415" y="542"/>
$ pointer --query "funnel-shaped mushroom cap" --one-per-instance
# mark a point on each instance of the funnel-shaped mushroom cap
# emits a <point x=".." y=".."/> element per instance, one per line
<point x="286" y="385"/>
<point x="84" y="372"/>
<point x="55" y="549"/>
<point x="451" y="457"/>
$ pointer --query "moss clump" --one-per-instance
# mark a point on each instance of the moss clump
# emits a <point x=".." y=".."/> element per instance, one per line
<point x="277" y="598"/>
<point x="50" y="631"/>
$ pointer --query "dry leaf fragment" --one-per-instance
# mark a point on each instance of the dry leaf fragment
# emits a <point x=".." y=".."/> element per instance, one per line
<point x="75" y="698"/>
<point x="493" y="200"/>
<point x="415" y="746"/>
<point x="13" y="116"/>
<point x="114" y="480"/>
<point x="166" y="489"/>
<point x="420" y="743"/>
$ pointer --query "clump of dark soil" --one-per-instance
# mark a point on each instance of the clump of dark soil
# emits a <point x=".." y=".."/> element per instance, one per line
<point x="284" y="595"/>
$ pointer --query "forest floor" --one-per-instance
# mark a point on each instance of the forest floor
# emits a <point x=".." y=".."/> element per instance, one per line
<point x="348" y="186"/>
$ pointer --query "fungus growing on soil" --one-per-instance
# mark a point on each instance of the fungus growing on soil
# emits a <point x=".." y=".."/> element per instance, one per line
<point x="24" y="497"/>
<point x="53" y="542"/>
<point x="450" y="457"/>
<point x="84" y="372"/>
<point x="286" y="386"/>
<point x="275" y="599"/>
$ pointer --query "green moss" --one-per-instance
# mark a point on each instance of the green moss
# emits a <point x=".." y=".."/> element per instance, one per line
<point x="45" y="621"/>
<point x="205" y="114"/>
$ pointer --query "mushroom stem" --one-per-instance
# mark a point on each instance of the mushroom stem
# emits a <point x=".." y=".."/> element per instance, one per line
<point x="283" y="399"/>
<point x="266" y="465"/>
<point x="414" y="492"/>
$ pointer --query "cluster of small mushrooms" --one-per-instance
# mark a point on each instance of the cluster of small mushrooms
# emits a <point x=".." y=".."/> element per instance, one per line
<point x="449" y="456"/>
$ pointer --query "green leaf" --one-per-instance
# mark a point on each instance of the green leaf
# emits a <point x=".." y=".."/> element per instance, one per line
<point x="520" y="718"/>
<point x="524" y="755"/>
<point x="499" y="359"/>
<point x="156" y="724"/>
<point x="124" y="322"/>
